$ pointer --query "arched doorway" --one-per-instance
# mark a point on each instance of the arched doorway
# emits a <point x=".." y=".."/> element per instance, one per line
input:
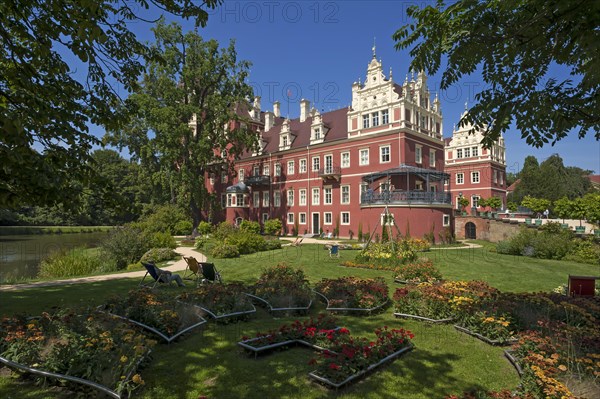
<point x="470" y="231"/>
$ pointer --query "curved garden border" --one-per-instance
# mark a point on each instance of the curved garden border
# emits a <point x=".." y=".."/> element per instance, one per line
<point x="160" y="334"/>
<point x="227" y="315"/>
<point x="434" y="321"/>
<point x="513" y="360"/>
<point x="77" y="380"/>
<point x="332" y="385"/>
<point x="272" y="309"/>
<point x="483" y="338"/>
<point x="368" y="310"/>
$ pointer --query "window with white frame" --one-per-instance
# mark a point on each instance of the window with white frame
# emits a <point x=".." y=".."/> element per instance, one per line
<point x="230" y="199"/>
<point x="290" y="197"/>
<point x="345" y="194"/>
<point x="327" y="195"/>
<point x="385" y="117"/>
<point x="345" y="160"/>
<point x="475" y="151"/>
<point x="302" y="196"/>
<point x="467" y="152"/>
<point x="375" y="118"/>
<point x="239" y="200"/>
<point x="278" y="169"/>
<point x="265" y="217"/>
<point x="345" y="217"/>
<point x="290" y="218"/>
<point x="363" y="189"/>
<point x="432" y="158"/>
<point x="327" y="219"/>
<point x="418" y="153"/>
<point x="460" y="178"/>
<point x="317" y="133"/>
<point x="501" y="178"/>
<point x="316" y="196"/>
<point x="363" y="156"/>
<point x="256" y="199"/>
<point x="302" y="168"/>
<point x="255" y="170"/>
<point x="266" y="170"/>
<point x="495" y="176"/>
<point x="474" y="177"/>
<point x="277" y="199"/>
<point x="384" y="154"/>
<point x="365" y="121"/>
<point x="241" y="175"/>
<point x="265" y="198"/>
<point x="290" y="167"/>
<point x="475" y="201"/>
<point x="316" y="164"/>
<point x="418" y="184"/>
<point x="446" y="220"/>
<point x="459" y="153"/>
<point x="302" y="218"/>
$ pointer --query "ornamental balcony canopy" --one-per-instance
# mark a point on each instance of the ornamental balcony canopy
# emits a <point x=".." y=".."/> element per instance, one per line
<point x="237" y="188"/>
<point x="404" y="185"/>
<point x="258" y="180"/>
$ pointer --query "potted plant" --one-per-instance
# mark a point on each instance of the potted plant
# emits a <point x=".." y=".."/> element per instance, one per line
<point x="463" y="202"/>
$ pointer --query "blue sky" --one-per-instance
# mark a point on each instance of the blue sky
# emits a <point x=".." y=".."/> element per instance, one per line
<point x="316" y="49"/>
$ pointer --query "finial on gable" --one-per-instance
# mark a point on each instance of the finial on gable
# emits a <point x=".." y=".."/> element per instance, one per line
<point x="373" y="48"/>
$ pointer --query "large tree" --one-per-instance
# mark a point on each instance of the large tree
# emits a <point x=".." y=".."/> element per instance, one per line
<point x="59" y="63"/>
<point x="183" y="114"/>
<point x="517" y="45"/>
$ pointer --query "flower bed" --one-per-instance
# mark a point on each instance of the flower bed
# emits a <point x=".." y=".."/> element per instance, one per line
<point x="220" y="301"/>
<point x="284" y="288"/>
<point x="159" y="313"/>
<point x="420" y="271"/>
<point x="353" y="293"/>
<point x="87" y="348"/>
<point x="307" y="332"/>
<point x="350" y="357"/>
<point x="342" y="358"/>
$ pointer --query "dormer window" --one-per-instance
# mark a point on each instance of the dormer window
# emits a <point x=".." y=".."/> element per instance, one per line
<point x="285" y="141"/>
<point x="285" y="137"/>
<point x="318" y="129"/>
<point x="317" y="133"/>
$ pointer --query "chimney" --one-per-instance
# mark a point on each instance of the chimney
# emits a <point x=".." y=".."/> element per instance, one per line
<point x="304" y="108"/>
<point x="276" y="109"/>
<point x="269" y="120"/>
<point x="257" y="103"/>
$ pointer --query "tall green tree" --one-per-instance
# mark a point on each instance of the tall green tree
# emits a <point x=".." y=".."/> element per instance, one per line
<point x="516" y="44"/>
<point x="184" y="114"/>
<point x="59" y="63"/>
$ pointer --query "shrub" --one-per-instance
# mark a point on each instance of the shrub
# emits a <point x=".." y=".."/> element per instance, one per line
<point x="246" y="242"/>
<point x="162" y="218"/>
<point x="224" y="230"/>
<point x="158" y="255"/>
<point x="419" y="271"/>
<point x="124" y="246"/>
<point x="205" y="228"/>
<point x="160" y="240"/>
<point x="273" y="227"/>
<point x="200" y="242"/>
<point x="584" y="251"/>
<point x="223" y="250"/>
<point x="250" y="226"/>
<point x="272" y="244"/>
<point x="183" y="227"/>
<point x="76" y="262"/>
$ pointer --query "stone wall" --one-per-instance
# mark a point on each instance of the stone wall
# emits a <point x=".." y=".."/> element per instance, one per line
<point x="486" y="229"/>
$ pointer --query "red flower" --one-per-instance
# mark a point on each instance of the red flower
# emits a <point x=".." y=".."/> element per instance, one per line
<point x="334" y="366"/>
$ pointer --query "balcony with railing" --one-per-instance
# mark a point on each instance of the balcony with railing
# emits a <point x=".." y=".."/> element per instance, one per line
<point x="257" y="180"/>
<point x="330" y="172"/>
<point x="405" y="197"/>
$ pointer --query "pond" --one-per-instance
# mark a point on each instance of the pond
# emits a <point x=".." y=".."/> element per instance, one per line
<point x="21" y="255"/>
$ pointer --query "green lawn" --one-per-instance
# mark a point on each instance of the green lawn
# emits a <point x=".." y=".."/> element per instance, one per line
<point x="210" y="363"/>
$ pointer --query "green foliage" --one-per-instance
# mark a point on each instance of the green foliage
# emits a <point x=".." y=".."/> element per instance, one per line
<point x="161" y="218"/>
<point x="584" y="251"/>
<point x="156" y="255"/>
<point x="360" y="232"/>
<point x="272" y="227"/>
<point x="159" y="240"/>
<point x="463" y="202"/>
<point x="76" y="262"/>
<point x="272" y="244"/>
<point x="42" y="101"/>
<point x="508" y="42"/>
<point x="536" y="204"/>
<point x="223" y="250"/>
<point x="223" y="230"/>
<point x="124" y="245"/>
<point x="197" y="78"/>
<point x="200" y="242"/>
<point x="183" y="227"/>
<point x="205" y="228"/>
<point x="250" y="226"/>
<point x="562" y="207"/>
<point x="246" y="242"/>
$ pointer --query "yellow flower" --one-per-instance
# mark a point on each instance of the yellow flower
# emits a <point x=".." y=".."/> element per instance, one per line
<point x="124" y="359"/>
<point x="562" y="367"/>
<point x="138" y="379"/>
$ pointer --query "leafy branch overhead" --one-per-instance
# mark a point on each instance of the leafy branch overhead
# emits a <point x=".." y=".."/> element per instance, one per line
<point x="60" y="60"/>
<point x="189" y="111"/>
<point x="520" y="47"/>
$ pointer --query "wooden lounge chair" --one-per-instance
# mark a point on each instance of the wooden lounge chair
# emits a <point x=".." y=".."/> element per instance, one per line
<point x="210" y="273"/>
<point x="193" y="270"/>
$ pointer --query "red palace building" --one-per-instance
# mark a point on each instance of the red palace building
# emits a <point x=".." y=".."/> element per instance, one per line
<point x="345" y="167"/>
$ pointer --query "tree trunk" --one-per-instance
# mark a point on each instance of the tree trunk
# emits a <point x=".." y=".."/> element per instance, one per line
<point x="195" y="211"/>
